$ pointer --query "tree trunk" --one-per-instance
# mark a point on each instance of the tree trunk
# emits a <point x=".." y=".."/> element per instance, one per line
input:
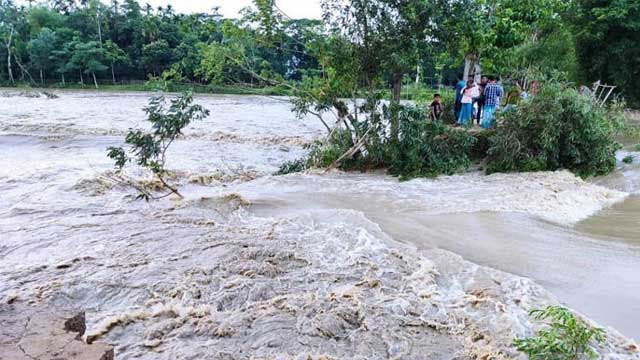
<point x="395" y="100"/>
<point x="81" y="79"/>
<point x="63" y="83"/>
<point x="397" y="87"/>
<point x="94" y="79"/>
<point x="472" y="67"/>
<point x="9" y="57"/>
<point x="113" y="74"/>
<point x="41" y="78"/>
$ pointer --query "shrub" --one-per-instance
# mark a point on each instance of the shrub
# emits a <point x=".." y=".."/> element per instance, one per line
<point x="423" y="149"/>
<point x="557" y="129"/>
<point x="149" y="149"/>
<point x="427" y="149"/>
<point x="565" y="338"/>
<point x="291" y="167"/>
<point x="628" y="159"/>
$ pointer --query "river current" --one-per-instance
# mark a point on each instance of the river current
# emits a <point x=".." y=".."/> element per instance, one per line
<point x="340" y="265"/>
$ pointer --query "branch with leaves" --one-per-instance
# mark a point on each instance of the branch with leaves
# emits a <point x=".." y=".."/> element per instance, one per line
<point x="149" y="149"/>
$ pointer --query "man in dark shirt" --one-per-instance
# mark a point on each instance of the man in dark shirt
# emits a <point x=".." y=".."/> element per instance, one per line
<point x="436" y="108"/>
<point x="481" y="99"/>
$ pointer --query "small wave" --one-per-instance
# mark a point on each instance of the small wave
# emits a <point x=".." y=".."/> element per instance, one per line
<point x="29" y="94"/>
<point x="559" y="197"/>
<point x="139" y="178"/>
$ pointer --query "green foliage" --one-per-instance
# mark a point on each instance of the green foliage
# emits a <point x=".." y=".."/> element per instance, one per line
<point x="149" y="149"/>
<point x="427" y="149"/>
<point x="40" y="49"/>
<point x="637" y="148"/>
<point x="628" y="159"/>
<point x="557" y="129"/>
<point x="423" y="149"/>
<point x="565" y="338"/>
<point x="291" y="167"/>
<point x="608" y="45"/>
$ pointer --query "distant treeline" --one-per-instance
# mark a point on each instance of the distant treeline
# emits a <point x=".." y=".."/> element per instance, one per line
<point x="68" y="41"/>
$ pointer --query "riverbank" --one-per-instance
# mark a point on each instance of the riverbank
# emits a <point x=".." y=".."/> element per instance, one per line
<point x="145" y="86"/>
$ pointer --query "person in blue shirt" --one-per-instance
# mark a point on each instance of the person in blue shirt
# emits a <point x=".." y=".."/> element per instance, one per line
<point x="459" y="86"/>
<point x="492" y="95"/>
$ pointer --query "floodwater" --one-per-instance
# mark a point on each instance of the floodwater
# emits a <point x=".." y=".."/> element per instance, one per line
<point x="248" y="260"/>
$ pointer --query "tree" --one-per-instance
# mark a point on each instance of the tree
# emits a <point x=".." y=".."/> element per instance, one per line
<point x="40" y="50"/>
<point x="391" y="37"/>
<point x="88" y="57"/>
<point x="114" y="54"/>
<point x="156" y="56"/>
<point x="608" y="45"/>
<point x="62" y="60"/>
<point x="477" y="30"/>
<point x="8" y="15"/>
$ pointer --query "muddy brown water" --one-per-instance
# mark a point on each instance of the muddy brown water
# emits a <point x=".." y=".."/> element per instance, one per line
<point x="57" y="205"/>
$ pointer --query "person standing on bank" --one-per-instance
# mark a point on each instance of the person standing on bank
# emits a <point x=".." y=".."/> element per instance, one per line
<point x="492" y="93"/>
<point x="469" y="93"/>
<point x="436" y="108"/>
<point x="480" y="100"/>
<point x="458" y="105"/>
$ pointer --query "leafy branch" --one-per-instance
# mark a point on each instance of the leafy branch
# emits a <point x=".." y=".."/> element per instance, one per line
<point x="565" y="338"/>
<point x="149" y="149"/>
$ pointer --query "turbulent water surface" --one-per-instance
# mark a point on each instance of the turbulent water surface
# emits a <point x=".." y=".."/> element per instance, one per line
<point x="315" y="265"/>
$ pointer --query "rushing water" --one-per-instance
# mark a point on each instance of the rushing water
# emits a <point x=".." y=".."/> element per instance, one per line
<point x="72" y="236"/>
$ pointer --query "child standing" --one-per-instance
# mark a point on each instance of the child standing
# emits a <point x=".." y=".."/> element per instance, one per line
<point x="436" y="108"/>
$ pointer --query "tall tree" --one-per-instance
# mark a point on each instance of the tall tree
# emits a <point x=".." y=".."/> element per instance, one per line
<point x="114" y="55"/>
<point x="88" y="57"/>
<point x="40" y="50"/>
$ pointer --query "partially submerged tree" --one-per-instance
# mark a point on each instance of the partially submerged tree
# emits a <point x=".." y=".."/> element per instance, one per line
<point x="149" y="149"/>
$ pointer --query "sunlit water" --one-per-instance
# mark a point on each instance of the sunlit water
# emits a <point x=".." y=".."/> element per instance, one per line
<point x="72" y="237"/>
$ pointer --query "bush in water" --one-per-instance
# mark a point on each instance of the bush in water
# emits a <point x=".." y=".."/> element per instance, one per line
<point x="628" y="159"/>
<point x="557" y="129"/>
<point x="150" y="149"/>
<point x="428" y="149"/>
<point x="565" y="338"/>
<point x="423" y="149"/>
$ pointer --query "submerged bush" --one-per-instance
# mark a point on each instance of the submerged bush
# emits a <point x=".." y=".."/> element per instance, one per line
<point x="565" y="338"/>
<point x="423" y="148"/>
<point x="427" y="149"/>
<point x="557" y="129"/>
<point x="293" y="166"/>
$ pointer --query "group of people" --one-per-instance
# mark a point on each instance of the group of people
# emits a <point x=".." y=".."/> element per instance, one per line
<point x="484" y="97"/>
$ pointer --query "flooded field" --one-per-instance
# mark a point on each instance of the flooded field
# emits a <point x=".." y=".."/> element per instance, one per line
<point x="251" y="265"/>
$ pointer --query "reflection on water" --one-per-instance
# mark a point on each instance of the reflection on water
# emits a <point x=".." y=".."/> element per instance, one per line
<point x="72" y="237"/>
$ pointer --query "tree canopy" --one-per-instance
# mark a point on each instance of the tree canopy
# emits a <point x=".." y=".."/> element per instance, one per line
<point x="357" y="44"/>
